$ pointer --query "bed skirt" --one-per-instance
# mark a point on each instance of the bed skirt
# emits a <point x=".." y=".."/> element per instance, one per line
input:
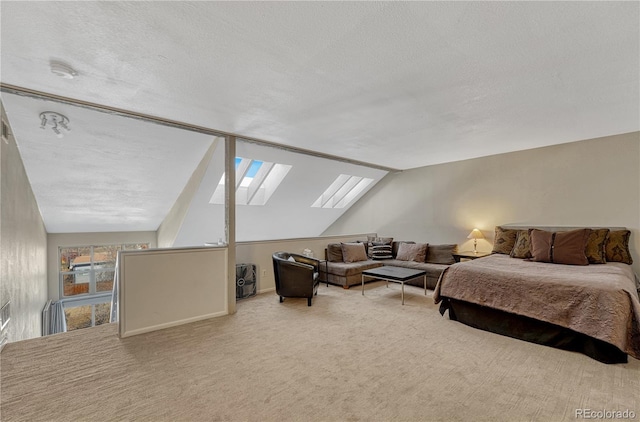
<point x="532" y="330"/>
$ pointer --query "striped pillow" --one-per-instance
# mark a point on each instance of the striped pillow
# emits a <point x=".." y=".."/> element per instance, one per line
<point x="380" y="252"/>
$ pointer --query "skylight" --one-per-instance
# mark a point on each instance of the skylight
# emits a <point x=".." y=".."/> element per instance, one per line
<point x="342" y="191"/>
<point x="256" y="181"/>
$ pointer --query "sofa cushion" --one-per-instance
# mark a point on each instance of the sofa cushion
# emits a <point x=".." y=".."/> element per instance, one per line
<point x="441" y="254"/>
<point x="334" y="252"/>
<point x="345" y="269"/>
<point x="353" y="252"/>
<point x="432" y="270"/>
<point x="412" y="252"/>
<point x="617" y="249"/>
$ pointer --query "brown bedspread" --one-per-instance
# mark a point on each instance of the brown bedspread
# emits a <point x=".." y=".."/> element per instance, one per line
<point x="600" y="301"/>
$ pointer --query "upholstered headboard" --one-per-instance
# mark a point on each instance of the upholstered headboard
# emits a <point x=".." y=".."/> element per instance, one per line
<point x="556" y="228"/>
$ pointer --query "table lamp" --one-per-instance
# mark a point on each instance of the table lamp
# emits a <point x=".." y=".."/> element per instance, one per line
<point x="475" y="235"/>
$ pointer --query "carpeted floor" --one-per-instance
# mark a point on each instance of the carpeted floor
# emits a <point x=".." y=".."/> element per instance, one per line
<point x="347" y="358"/>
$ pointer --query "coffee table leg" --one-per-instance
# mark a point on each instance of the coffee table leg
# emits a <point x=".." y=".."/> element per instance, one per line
<point x="425" y="285"/>
<point x="363" y="285"/>
<point x="402" y="282"/>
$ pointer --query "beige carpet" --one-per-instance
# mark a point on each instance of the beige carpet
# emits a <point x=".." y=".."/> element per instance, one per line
<point x="347" y="357"/>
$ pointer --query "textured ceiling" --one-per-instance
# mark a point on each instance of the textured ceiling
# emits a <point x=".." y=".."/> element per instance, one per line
<point x="108" y="173"/>
<point x="396" y="84"/>
<point x="399" y="84"/>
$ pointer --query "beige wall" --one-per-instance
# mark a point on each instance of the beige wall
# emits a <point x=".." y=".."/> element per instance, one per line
<point x="56" y="240"/>
<point x="594" y="182"/>
<point x="163" y="288"/>
<point x="171" y="224"/>
<point x="23" y="249"/>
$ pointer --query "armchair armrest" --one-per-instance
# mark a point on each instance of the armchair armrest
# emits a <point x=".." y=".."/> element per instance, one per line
<point x="307" y="260"/>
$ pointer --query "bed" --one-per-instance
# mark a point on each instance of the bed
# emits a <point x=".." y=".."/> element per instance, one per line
<point x="592" y="309"/>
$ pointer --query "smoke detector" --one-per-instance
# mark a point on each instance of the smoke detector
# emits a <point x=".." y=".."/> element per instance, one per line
<point x="63" y="70"/>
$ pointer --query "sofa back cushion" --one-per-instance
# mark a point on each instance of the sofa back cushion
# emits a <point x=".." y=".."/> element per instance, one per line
<point x="334" y="252"/>
<point x="441" y="254"/>
<point x="353" y="252"/>
<point x="412" y="252"/>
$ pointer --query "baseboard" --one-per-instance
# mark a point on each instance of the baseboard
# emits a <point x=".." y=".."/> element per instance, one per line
<point x="172" y="324"/>
<point x="269" y="290"/>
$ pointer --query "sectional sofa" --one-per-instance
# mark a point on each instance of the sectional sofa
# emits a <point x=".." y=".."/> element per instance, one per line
<point x="341" y="268"/>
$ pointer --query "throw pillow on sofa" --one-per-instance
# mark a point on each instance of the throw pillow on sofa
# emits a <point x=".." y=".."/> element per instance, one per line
<point x="353" y="252"/>
<point x="412" y="252"/>
<point x="380" y="252"/>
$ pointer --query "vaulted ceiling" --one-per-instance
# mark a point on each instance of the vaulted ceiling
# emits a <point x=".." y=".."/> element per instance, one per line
<point x="396" y="84"/>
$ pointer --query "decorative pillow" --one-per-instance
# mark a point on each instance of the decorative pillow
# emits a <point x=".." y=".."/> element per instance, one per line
<point x="559" y="247"/>
<point x="366" y="247"/>
<point x="412" y="252"/>
<point x="334" y="252"/>
<point x="595" y="250"/>
<point x="521" y="249"/>
<point x="370" y="240"/>
<point x="395" y="245"/>
<point x="441" y="254"/>
<point x="504" y="241"/>
<point x="353" y="252"/>
<point x="617" y="249"/>
<point x="384" y="240"/>
<point x="380" y="252"/>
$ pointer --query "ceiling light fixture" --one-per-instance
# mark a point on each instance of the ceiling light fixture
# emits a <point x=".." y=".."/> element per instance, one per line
<point x="56" y="121"/>
<point x="63" y="70"/>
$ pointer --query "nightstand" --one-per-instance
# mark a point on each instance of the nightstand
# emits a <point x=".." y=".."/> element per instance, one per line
<point x="469" y="255"/>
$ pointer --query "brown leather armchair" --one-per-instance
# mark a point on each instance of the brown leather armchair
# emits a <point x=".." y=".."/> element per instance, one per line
<point x="297" y="277"/>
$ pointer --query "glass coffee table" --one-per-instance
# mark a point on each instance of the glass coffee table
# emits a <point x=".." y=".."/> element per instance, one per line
<point x="399" y="274"/>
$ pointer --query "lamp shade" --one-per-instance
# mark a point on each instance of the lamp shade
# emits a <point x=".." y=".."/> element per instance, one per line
<point x="475" y="234"/>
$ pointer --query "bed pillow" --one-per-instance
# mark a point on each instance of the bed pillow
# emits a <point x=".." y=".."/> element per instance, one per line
<point x="595" y="250"/>
<point x="334" y="252"/>
<point x="521" y="248"/>
<point x="412" y="252"/>
<point x="617" y="247"/>
<point x="559" y="247"/>
<point x="441" y="254"/>
<point x="504" y="241"/>
<point x="353" y="252"/>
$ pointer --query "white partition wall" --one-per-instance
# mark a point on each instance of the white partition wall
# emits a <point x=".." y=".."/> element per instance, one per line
<point x="161" y="288"/>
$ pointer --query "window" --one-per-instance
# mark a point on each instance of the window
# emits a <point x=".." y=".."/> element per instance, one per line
<point x="86" y="282"/>
<point x="88" y="315"/>
<point x="342" y="191"/>
<point x="89" y="270"/>
<point x="256" y="181"/>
